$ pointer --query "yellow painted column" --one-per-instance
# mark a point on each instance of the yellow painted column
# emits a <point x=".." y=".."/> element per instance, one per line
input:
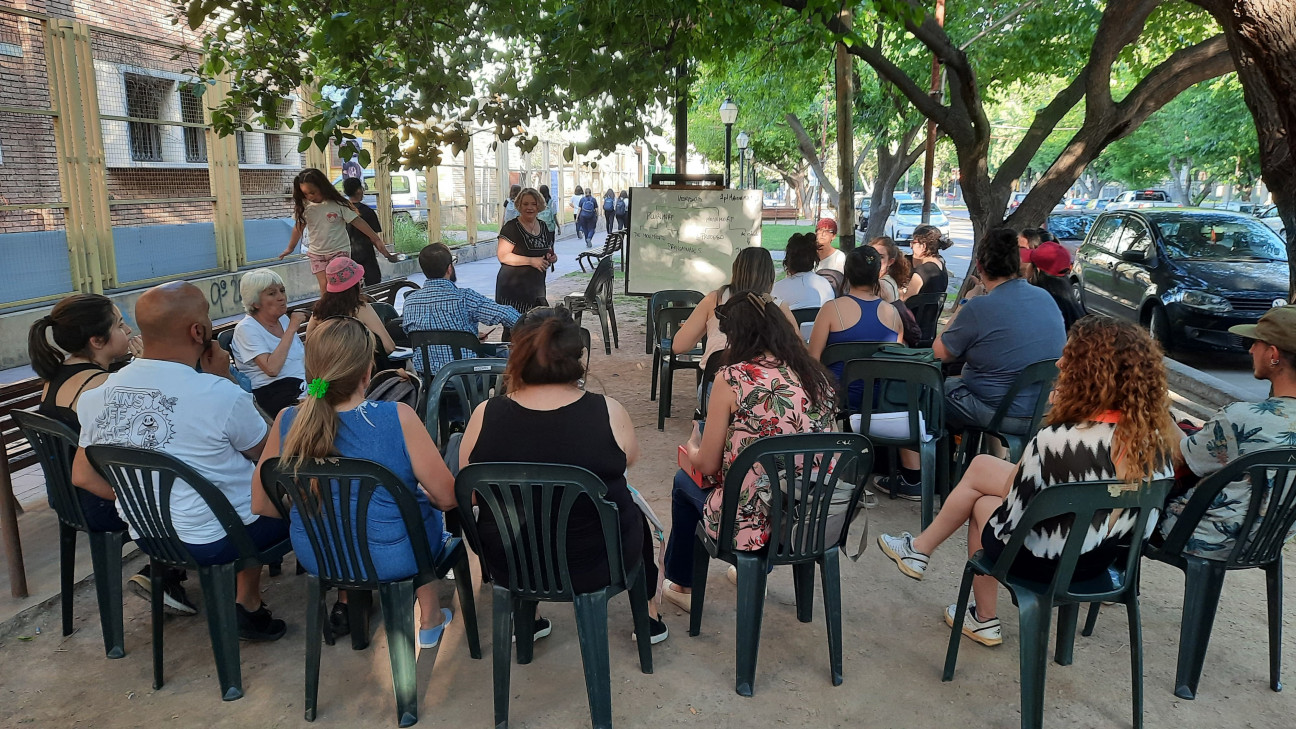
<point x="433" y="204"/>
<point x="383" y="187"/>
<point x="223" y="173"/>
<point x="315" y="157"/>
<point x="470" y="192"/>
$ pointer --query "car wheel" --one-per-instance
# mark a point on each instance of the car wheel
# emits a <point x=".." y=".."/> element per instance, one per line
<point x="1159" y="327"/>
<point x="1077" y="292"/>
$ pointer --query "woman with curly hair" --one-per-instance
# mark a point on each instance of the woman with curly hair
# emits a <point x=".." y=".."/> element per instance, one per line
<point x="1103" y="424"/>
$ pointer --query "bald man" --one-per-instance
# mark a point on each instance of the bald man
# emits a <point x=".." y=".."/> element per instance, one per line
<point x="178" y="398"/>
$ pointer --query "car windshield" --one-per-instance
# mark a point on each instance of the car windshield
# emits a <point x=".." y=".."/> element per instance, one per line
<point x="915" y="210"/>
<point x="1073" y="227"/>
<point x="1220" y="238"/>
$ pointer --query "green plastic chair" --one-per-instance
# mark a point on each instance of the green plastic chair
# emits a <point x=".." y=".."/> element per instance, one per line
<point x="1035" y="600"/>
<point x="422" y="342"/>
<point x="666" y="362"/>
<point x="133" y="474"/>
<point x="1040" y="374"/>
<point x="684" y="298"/>
<point x="1204" y="578"/>
<point x="926" y="309"/>
<point x="55" y="444"/>
<point x="338" y="535"/>
<point x="520" y="497"/>
<point x="846" y="351"/>
<point x="805" y="316"/>
<point x="923" y="387"/>
<point x="598" y="299"/>
<point x="800" y="500"/>
<point x="471" y="381"/>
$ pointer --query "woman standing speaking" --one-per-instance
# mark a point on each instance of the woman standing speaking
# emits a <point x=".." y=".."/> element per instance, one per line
<point x="525" y="253"/>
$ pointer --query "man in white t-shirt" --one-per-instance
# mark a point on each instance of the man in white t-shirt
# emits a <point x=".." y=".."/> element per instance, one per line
<point x="161" y="402"/>
<point x="829" y="257"/>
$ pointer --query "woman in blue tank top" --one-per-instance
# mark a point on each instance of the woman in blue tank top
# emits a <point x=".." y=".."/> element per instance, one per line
<point x="859" y="316"/>
<point x="334" y="419"/>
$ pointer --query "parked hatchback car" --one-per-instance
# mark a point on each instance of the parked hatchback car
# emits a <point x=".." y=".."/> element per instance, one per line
<point x="907" y="215"/>
<point x="1269" y="216"/>
<point x="1187" y="274"/>
<point x="408" y="193"/>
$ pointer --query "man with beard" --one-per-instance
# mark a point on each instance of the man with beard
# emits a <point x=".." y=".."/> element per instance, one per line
<point x="441" y="305"/>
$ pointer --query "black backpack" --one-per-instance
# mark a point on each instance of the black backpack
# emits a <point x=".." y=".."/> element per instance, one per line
<point x="395" y="386"/>
<point x="588" y="205"/>
<point x="620" y="206"/>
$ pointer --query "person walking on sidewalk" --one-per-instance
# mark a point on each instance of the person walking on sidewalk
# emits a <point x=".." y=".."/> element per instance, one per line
<point x="587" y="223"/>
<point x="609" y="209"/>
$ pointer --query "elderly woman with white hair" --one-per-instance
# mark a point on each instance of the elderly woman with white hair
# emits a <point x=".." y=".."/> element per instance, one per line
<point x="265" y="345"/>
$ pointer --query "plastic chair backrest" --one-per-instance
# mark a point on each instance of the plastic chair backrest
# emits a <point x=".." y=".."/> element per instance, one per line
<point x="1083" y="501"/>
<point x="668" y="322"/>
<point x="332" y="499"/>
<point x="226" y="340"/>
<point x="386" y="312"/>
<point x="847" y="351"/>
<point x="805" y="316"/>
<point x="663" y="299"/>
<point x="926" y="309"/>
<point x="55" y="445"/>
<point x="457" y="341"/>
<point x="804" y="470"/>
<point x="924" y="390"/>
<point x="600" y="285"/>
<point x="143" y="481"/>
<point x="531" y="504"/>
<point x="473" y="381"/>
<point x="1040" y="374"/>
<point x="1273" y="505"/>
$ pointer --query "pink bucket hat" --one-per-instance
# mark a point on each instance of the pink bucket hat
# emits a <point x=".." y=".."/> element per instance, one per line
<point x="342" y="273"/>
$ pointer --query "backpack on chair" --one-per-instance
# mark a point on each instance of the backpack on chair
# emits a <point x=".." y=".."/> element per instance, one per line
<point x="395" y="386"/>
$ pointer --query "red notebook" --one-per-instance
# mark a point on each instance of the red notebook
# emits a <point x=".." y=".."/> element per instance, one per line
<point x="687" y="465"/>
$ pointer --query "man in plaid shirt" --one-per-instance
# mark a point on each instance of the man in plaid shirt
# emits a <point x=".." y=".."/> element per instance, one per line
<point x="441" y="305"/>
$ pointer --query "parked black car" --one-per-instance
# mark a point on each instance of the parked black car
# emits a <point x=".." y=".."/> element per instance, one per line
<point x="1070" y="226"/>
<point x="1186" y="274"/>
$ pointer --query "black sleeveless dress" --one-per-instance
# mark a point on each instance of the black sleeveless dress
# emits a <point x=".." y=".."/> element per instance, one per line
<point x="579" y="434"/>
<point x="100" y="514"/>
<point x="523" y="287"/>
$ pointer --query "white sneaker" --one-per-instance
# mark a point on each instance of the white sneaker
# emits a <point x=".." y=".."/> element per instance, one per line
<point x="900" y="549"/>
<point x="985" y="632"/>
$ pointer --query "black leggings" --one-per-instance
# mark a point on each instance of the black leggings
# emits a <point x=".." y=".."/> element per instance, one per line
<point x="609" y="216"/>
<point x="1027" y="566"/>
<point x="278" y="395"/>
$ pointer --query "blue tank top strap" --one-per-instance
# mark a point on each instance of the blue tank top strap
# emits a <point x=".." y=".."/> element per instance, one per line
<point x="869" y="328"/>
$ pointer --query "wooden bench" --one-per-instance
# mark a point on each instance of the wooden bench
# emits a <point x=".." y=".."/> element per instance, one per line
<point x="780" y="213"/>
<point x="26" y="395"/>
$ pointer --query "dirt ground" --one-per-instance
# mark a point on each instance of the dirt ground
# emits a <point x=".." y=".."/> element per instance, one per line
<point x="894" y="647"/>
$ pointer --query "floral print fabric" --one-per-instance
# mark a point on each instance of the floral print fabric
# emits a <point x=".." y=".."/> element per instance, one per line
<point x="1237" y="429"/>
<point x="771" y="401"/>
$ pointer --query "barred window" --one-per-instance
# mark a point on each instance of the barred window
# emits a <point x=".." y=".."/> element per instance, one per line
<point x="191" y="112"/>
<point x="144" y="97"/>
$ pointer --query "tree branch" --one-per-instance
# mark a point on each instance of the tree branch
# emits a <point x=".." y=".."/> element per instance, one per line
<point x="1121" y="24"/>
<point x="1041" y="127"/>
<point x="806" y="145"/>
<point x="1184" y="67"/>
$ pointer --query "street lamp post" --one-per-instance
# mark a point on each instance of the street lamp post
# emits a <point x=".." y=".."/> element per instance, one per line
<point x="728" y="115"/>
<point x="742" y="151"/>
<point x="751" y="162"/>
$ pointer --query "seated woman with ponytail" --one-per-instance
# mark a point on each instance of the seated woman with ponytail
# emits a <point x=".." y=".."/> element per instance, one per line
<point x="334" y="419"/>
<point x="91" y="330"/>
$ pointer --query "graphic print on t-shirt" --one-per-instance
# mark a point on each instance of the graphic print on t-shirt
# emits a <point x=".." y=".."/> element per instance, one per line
<point x="136" y="417"/>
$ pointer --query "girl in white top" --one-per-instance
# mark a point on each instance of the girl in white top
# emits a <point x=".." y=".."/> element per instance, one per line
<point x="802" y="288"/>
<point x="324" y="213"/>
<point x="265" y="347"/>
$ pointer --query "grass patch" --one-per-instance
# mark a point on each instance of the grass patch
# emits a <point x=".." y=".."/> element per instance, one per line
<point x="494" y="227"/>
<point x="775" y="237"/>
<point x="410" y="237"/>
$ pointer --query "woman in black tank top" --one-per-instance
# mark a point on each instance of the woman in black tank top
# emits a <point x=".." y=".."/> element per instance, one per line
<point x="546" y="418"/>
<point x="91" y="330"/>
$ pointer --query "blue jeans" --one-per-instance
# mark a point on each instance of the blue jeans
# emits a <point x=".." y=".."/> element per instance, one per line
<point x="687" y="499"/>
<point x="264" y="530"/>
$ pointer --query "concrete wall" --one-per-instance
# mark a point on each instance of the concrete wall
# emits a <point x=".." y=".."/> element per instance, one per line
<point x="222" y="295"/>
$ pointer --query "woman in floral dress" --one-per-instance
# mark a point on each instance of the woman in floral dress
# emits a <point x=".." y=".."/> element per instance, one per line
<point x="774" y="387"/>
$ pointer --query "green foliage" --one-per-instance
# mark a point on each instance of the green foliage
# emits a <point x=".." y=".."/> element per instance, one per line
<point x="774" y="237"/>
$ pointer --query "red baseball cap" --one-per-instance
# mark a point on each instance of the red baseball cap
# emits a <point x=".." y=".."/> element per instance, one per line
<point x="1049" y="257"/>
<point x="828" y="224"/>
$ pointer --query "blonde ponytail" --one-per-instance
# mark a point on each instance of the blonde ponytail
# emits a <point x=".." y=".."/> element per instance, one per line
<point x="338" y="357"/>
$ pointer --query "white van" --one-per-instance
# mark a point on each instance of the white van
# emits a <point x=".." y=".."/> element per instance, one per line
<point x="408" y="193"/>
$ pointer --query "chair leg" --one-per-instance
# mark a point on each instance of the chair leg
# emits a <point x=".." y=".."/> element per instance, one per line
<point x="639" y="611"/>
<point x="956" y="632"/>
<point x="1091" y="621"/>
<point x="155" y="613"/>
<point x="616" y="337"/>
<point x="656" y="369"/>
<point x="524" y="620"/>
<point x="398" y="619"/>
<point x="1034" y="618"/>
<point x="105" y="555"/>
<point x="603" y="323"/>
<point x="701" y="562"/>
<point x="803" y="580"/>
<point x="316" y="627"/>
<point x="1064" y="651"/>
<point x="1203" y="581"/>
<point x="359" y="608"/>
<point x="1273" y="581"/>
<point x="501" y="647"/>
<point x="218" y="586"/>
<point x="467" y="602"/>
<point x="751" y="609"/>
<point x="667" y="374"/>
<point x="1136" y="657"/>
<point x="67" y="561"/>
<point x="830" y="572"/>
<point x="928" y="464"/>
<point x="591" y="630"/>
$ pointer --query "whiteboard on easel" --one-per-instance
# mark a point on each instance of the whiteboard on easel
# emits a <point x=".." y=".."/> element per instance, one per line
<point x="687" y="239"/>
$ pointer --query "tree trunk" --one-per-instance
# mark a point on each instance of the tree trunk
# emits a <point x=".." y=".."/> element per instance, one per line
<point x="845" y="93"/>
<point x="892" y="165"/>
<point x="1262" y="40"/>
<point x="811" y="156"/>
